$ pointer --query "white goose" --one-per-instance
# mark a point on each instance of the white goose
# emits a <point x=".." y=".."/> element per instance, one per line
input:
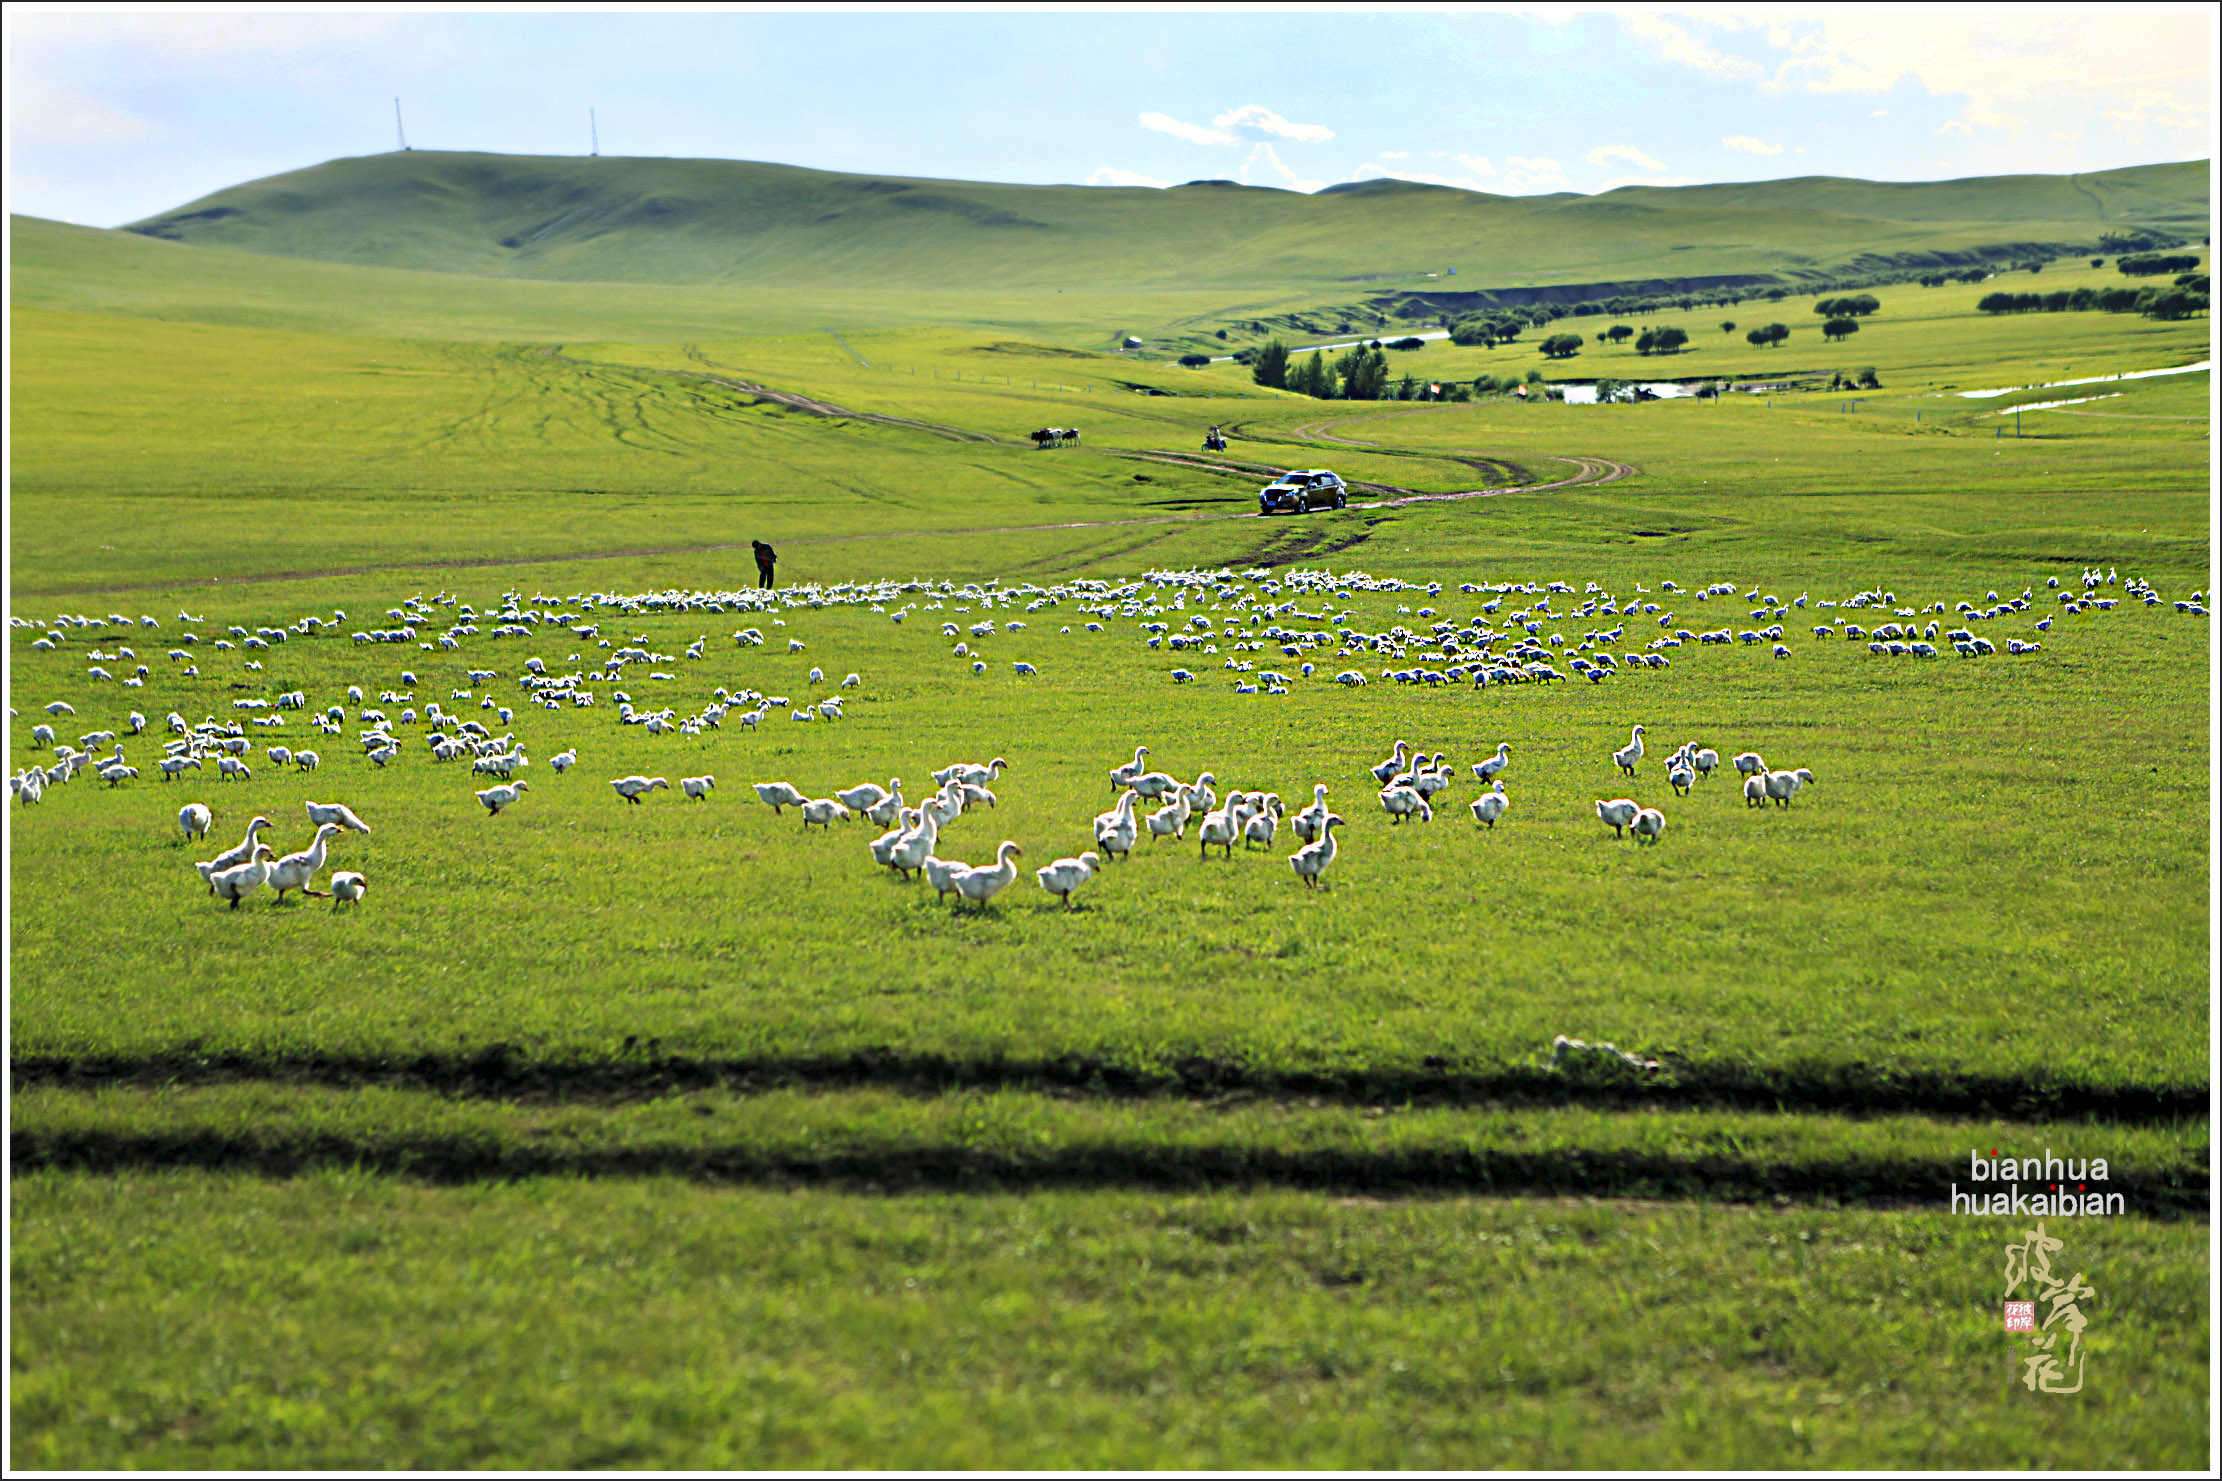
<point x="885" y="812"/>
<point x="1307" y="822"/>
<point x="863" y="798"/>
<point x="631" y="788"/>
<point x="348" y="886"/>
<point x="1220" y="827"/>
<point x="1155" y="784"/>
<point x="883" y="847"/>
<point x="1619" y="812"/>
<point x="1067" y="875"/>
<point x="1627" y="756"/>
<point x="499" y="797"/>
<point x="321" y="813"/>
<point x="297" y="871"/>
<point x="1116" y="830"/>
<point x="1486" y="772"/>
<point x="195" y="820"/>
<point x="1402" y="802"/>
<point x="986" y="882"/>
<point x="1311" y="861"/>
<point x="910" y="851"/>
<point x="942" y="874"/>
<point x="236" y="883"/>
<point x="1490" y="806"/>
<point x="235" y="856"/>
<point x="780" y="795"/>
<point x="1394" y="764"/>
<point x="1171" y="820"/>
<point x="1123" y="776"/>
<point x="1263" y="825"/>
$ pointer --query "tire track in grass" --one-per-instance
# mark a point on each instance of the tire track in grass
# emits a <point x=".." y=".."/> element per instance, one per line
<point x="1876" y="1182"/>
<point x="497" y="1070"/>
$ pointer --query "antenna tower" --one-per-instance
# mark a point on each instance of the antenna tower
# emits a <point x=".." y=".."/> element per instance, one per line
<point x="399" y="137"/>
<point x="593" y="132"/>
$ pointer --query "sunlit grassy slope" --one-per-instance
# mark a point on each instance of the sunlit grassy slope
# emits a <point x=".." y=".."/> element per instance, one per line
<point x="720" y="221"/>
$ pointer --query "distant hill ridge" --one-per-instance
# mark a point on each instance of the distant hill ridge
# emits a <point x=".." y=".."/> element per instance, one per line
<point x="696" y="221"/>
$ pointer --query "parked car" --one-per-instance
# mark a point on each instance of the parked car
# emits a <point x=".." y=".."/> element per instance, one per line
<point x="1302" y="491"/>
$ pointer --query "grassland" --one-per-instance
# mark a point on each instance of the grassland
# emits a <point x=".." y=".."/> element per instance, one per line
<point x="729" y="221"/>
<point x="580" y="1144"/>
<point x="185" y="1319"/>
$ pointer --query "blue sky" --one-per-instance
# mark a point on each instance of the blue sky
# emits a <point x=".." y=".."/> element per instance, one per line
<point x="118" y="115"/>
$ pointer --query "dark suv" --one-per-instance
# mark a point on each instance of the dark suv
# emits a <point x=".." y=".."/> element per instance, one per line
<point x="1302" y="491"/>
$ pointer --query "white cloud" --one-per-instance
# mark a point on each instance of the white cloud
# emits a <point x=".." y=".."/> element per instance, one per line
<point x="1675" y="44"/>
<point x="1262" y="120"/>
<point x="1265" y="153"/>
<point x="72" y="117"/>
<point x="1477" y="166"/>
<point x="1606" y="153"/>
<point x="1251" y="123"/>
<point x="1880" y="113"/>
<point x="1396" y="154"/>
<point x="2132" y="68"/>
<point x="1194" y="133"/>
<point x="1113" y="175"/>
<point x="1746" y="144"/>
<point x="1535" y="174"/>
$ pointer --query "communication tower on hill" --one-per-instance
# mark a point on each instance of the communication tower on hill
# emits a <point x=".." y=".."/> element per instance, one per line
<point x="400" y="138"/>
<point x="593" y="134"/>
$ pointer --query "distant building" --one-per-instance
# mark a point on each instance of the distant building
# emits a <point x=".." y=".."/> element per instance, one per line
<point x="1131" y="343"/>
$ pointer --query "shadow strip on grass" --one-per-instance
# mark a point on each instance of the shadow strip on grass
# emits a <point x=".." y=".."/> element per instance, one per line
<point x="499" y="1071"/>
<point x="912" y="1168"/>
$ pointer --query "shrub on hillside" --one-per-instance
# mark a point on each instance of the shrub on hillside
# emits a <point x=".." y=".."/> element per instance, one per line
<point x="1839" y="328"/>
<point x="1195" y="362"/>
<point x="1562" y="346"/>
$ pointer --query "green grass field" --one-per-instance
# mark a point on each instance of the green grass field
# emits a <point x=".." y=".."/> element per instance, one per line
<point x="680" y="1135"/>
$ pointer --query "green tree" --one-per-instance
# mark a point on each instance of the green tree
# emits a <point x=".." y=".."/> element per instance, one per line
<point x="1364" y="373"/>
<point x="1868" y="381"/>
<point x="1768" y="337"/>
<point x="1728" y="326"/>
<point x="1195" y="362"/>
<point x="1313" y="378"/>
<point x="1667" y="339"/>
<point x="1272" y="366"/>
<point x="1489" y="329"/>
<point x="1562" y="346"/>
<point x="1609" y="389"/>
<point x="1839" y="328"/>
<point x="1618" y="334"/>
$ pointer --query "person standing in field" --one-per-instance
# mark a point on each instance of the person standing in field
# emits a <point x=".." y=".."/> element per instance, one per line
<point x="765" y="556"/>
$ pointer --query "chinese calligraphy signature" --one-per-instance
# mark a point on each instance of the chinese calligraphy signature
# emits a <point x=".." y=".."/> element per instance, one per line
<point x="2047" y="1366"/>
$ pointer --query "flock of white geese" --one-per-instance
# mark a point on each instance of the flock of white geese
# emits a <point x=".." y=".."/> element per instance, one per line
<point x="1189" y="611"/>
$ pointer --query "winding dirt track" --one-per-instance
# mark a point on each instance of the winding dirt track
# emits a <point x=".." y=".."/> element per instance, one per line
<point x="1587" y="471"/>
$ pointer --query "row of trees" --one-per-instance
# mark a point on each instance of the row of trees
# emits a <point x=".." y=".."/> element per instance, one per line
<point x="2154" y="266"/>
<point x="1855" y="307"/>
<point x="2183" y="300"/>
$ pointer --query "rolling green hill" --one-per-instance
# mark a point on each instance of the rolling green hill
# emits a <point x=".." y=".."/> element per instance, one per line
<point x="728" y="222"/>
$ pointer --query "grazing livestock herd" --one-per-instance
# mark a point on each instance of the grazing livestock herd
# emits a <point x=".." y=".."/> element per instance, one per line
<point x="1307" y="616"/>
